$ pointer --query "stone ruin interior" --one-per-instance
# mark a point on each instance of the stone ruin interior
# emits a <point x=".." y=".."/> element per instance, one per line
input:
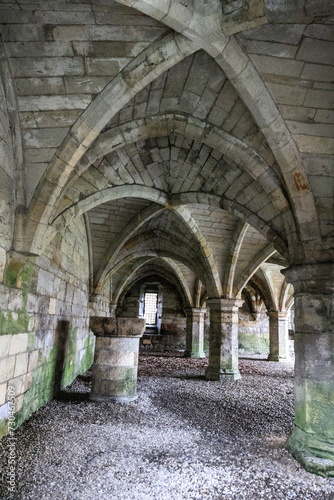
<point x="166" y="186"/>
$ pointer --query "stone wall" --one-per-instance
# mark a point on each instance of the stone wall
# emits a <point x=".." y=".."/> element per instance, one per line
<point x="44" y="336"/>
<point x="173" y="321"/>
<point x="6" y="178"/>
<point x="253" y="333"/>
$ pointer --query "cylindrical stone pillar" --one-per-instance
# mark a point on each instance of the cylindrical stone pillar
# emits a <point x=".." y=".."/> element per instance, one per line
<point x="223" y="352"/>
<point x="195" y="333"/>
<point x="312" y="440"/>
<point x="278" y="336"/>
<point x="116" y="358"/>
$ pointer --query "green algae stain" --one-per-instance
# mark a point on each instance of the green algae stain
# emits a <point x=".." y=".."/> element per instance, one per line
<point x="17" y="275"/>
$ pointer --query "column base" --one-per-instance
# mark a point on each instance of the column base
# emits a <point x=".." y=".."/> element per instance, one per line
<point x="212" y="374"/>
<point x="188" y="354"/>
<point x="113" y="399"/>
<point x="279" y="359"/>
<point x="314" y="454"/>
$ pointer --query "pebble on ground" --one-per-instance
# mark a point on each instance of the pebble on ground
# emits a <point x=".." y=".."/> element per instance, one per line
<point x="183" y="438"/>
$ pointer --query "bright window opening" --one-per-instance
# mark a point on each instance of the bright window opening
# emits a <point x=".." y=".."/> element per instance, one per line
<point x="291" y="318"/>
<point x="150" y="308"/>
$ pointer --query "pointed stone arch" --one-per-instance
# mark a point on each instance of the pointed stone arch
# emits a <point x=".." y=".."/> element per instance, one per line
<point x="259" y="259"/>
<point x="128" y="232"/>
<point x="161" y="125"/>
<point x="210" y="284"/>
<point x="12" y="175"/>
<point x="235" y="247"/>
<point x="154" y="195"/>
<point x="286" y="298"/>
<point x="174" y="270"/>
<point x="207" y="31"/>
<point x="196" y="129"/>
<point x="148" y="65"/>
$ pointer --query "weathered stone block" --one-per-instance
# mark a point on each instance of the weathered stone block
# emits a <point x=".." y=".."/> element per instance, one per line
<point x="277" y="65"/>
<point x="105" y="67"/>
<point x="44" y="138"/>
<point x="47" y="66"/>
<point x="22" y="32"/>
<point x="45" y="283"/>
<point x="45" y="103"/>
<point x="5" y="341"/>
<point x="42" y="155"/>
<point x="16" y="385"/>
<point x="33" y="360"/>
<point x="7" y="366"/>
<point x="100" y="326"/>
<point x="318" y="72"/>
<point x="21" y="364"/>
<point x="287" y="94"/>
<point x="3" y="393"/>
<point x="108" y="49"/>
<point x="40" y="49"/>
<point x="319" y="99"/>
<point x="84" y="85"/>
<point x="40" y="86"/>
<point x="290" y="33"/>
<point x="313" y="144"/>
<point x="131" y="326"/>
<point x="314" y="129"/>
<point x="300" y="113"/>
<point x="317" y="51"/>
<point x="270" y="48"/>
<point x="64" y="18"/>
<point x="19" y="343"/>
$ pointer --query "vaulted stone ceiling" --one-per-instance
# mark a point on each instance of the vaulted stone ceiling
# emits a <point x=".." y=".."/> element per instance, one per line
<point x="193" y="137"/>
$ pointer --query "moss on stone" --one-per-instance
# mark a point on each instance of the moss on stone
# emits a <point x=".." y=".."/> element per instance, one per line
<point x="31" y="340"/>
<point x="253" y="344"/>
<point x="53" y="354"/>
<point x="12" y="272"/>
<point x="12" y="323"/>
<point x="19" y="274"/>
<point x="314" y="453"/>
<point x="44" y="377"/>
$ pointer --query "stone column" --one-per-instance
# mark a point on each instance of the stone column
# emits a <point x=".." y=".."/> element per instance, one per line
<point x="223" y="353"/>
<point x="112" y="309"/>
<point x="278" y="336"/>
<point x="195" y="333"/>
<point x="312" y="440"/>
<point x="116" y="358"/>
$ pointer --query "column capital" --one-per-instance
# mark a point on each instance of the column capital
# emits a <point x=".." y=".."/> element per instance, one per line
<point x="311" y="278"/>
<point x="112" y="309"/>
<point x="277" y="314"/>
<point x="94" y="297"/>
<point x="195" y="310"/>
<point x="225" y="304"/>
<point x="117" y="327"/>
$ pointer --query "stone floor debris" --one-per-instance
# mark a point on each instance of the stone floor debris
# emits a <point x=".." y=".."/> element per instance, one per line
<point x="184" y="438"/>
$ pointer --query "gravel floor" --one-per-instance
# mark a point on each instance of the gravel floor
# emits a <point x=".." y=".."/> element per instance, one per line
<point x="184" y="438"/>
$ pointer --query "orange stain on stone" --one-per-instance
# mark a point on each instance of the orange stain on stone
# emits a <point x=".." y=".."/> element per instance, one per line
<point x="300" y="182"/>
